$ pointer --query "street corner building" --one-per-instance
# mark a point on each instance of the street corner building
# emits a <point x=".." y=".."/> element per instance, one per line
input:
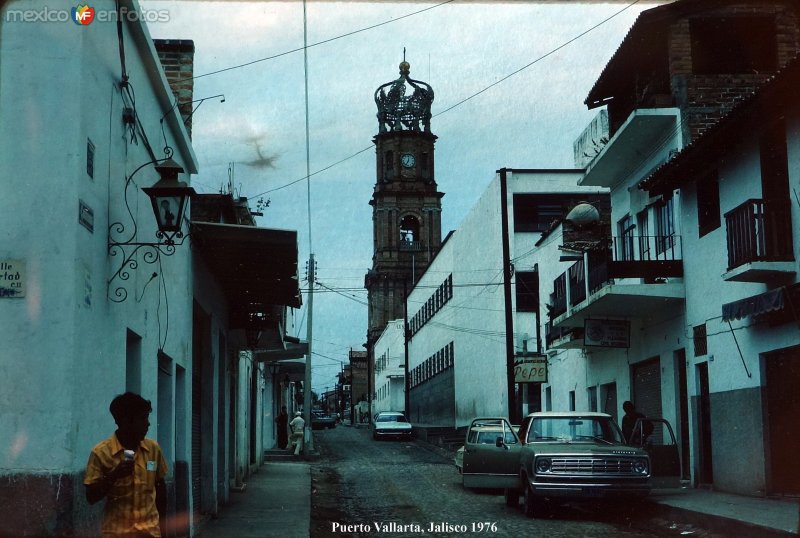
<point x="116" y="276"/>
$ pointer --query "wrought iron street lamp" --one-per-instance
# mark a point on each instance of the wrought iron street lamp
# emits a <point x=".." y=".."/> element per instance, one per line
<point x="168" y="198"/>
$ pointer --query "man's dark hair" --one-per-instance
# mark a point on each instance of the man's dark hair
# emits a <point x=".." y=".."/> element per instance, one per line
<point x="628" y="406"/>
<point x="129" y="405"/>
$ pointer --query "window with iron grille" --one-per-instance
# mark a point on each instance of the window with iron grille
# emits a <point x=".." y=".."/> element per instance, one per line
<point x="700" y="340"/>
<point x="665" y="226"/>
<point x="625" y="230"/>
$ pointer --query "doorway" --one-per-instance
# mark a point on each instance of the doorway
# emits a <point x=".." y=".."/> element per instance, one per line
<point x="646" y="383"/>
<point x="782" y="431"/>
<point x="706" y="470"/>
<point x="683" y="411"/>
<point x="608" y="400"/>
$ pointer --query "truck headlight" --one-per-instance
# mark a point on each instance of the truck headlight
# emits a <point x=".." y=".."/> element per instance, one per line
<point x="542" y="465"/>
<point x="640" y="466"/>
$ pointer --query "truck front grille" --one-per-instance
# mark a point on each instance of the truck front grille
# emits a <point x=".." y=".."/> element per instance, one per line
<point x="592" y="466"/>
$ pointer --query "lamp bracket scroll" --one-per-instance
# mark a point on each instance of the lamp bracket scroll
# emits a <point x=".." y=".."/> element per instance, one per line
<point x="169" y="199"/>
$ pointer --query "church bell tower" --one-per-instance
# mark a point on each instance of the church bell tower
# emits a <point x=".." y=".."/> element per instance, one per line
<point x="406" y="206"/>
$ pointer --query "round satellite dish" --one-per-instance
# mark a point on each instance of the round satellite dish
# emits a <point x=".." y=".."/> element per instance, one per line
<point x="583" y="214"/>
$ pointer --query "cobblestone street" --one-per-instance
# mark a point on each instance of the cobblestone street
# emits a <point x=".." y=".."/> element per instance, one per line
<point x="371" y="488"/>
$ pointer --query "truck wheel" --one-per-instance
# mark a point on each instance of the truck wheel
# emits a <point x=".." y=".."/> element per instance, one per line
<point x="511" y="497"/>
<point x="532" y="506"/>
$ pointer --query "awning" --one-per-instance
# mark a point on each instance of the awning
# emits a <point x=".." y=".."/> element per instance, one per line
<point x="762" y="303"/>
<point x="254" y="265"/>
<point x="290" y="349"/>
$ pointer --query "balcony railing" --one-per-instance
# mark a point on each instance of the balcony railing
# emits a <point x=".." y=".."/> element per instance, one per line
<point x="577" y="283"/>
<point x="647" y="248"/>
<point x="757" y="231"/>
<point x="558" y="299"/>
<point x="643" y="259"/>
<point x="412" y="246"/>
<point x="552" y="334"/>
<point x="598" y="275"/>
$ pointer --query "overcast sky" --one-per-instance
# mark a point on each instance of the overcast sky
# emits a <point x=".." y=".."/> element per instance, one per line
<point x="527" y="121"/>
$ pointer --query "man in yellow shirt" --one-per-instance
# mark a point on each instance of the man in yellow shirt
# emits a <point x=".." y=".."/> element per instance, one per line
<point x="128" y="470"/>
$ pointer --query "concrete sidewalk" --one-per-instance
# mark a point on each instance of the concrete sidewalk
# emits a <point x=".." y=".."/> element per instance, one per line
<point x="728" y="514"/>
<point x="276" y="502"/>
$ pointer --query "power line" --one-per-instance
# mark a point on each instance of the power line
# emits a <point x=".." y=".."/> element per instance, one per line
<point x="352" y="298"/>
<point x="323" y="42"/>
<point x="539" y="59"/>
<point x="459" y="103"/>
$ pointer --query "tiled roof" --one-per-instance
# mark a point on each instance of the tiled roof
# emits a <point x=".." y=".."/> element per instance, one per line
<point x="627" y="50"/>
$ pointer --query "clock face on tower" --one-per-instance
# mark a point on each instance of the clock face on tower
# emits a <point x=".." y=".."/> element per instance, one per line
<point x="408" y="160"/>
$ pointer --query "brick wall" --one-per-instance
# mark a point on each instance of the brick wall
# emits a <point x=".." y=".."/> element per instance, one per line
<point x="706" y="98"/>
<point x="177" y="59"/>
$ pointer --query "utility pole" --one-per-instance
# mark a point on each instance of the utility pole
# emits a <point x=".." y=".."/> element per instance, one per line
<point x="307" y="382"/>
<point x="511" y="386"/>
<point x="311" y="273"/>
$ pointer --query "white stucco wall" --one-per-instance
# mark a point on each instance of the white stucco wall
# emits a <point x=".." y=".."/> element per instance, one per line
<point x="389" y="390"/>
<point x="705" y="262"/>
<point x="64" y="355"/>
<point x="474" y="319"/>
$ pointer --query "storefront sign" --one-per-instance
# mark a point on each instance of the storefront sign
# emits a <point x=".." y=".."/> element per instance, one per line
<point x="607" y="333"/>
<point x="530" y="368"/>
<point x="12" y="278"/>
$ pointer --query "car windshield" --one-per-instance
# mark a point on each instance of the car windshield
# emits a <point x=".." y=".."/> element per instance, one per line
<point x="391" y="418"/>
<point x="575" y="429"/>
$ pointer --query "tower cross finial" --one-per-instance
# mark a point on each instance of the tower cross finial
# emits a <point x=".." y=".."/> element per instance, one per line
<point x="404" y="54"/>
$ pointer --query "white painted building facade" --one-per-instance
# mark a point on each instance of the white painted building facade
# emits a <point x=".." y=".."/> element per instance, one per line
<point x="684" y="256"/>
<point x="739" y="185"/>
<point x="389" y="378"/>
<point x="460" y="309"/>
<point x="78" y="325"/>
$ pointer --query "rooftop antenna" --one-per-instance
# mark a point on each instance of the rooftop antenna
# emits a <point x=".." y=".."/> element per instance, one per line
<point x="230" y="177"/>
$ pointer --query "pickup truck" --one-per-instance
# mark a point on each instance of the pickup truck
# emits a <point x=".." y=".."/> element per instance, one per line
<point x="556" y="456"/>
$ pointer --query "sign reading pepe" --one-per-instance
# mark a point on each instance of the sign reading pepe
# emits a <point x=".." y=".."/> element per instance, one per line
<point x="12" y="278"/>
<point x="530" y="368"/>
<point x="607" y="333"/>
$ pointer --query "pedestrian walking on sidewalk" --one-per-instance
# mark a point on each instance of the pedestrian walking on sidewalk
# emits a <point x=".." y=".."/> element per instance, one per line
<point x="297" y="426"/>
<point x="128" y="471"/>
<point x="282" y="424"/>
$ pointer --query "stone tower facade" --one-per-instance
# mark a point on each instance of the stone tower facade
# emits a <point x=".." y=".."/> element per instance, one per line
<point x="406" y="205"/>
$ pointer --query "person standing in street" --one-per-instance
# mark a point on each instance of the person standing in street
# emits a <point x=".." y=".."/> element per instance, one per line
<point x="298" y="426"/>
<point x="282" y="424"/>
<point x="629" y="422"/>
<point x="128" y="470"/>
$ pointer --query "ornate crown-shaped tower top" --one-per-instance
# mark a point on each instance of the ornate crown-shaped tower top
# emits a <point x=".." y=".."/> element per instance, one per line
<point x="400" y="112"/>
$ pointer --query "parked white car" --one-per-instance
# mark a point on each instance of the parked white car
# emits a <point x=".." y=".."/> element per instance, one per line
<point x="391" y="424"/>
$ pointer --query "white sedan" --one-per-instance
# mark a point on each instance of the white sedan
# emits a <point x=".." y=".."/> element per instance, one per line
<point x="391" y="424"/>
